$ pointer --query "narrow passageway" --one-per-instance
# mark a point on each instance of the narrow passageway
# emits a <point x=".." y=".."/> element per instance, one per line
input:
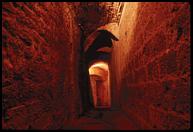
<point x="96" y="66"/>
<point x="102" y="120"/>
<point x="99" y="83"/>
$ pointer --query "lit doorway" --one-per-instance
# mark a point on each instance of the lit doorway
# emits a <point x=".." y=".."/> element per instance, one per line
<point x="100" y="86"/>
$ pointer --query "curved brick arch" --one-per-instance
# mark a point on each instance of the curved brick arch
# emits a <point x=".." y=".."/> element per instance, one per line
<point x="105" y="49"/>
<point x="111" y="28"/>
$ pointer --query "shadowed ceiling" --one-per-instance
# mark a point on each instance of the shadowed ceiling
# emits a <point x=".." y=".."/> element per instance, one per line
<point x="92" y="15"/>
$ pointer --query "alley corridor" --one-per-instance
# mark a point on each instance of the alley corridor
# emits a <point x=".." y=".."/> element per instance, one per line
<point x="96" y="65"/>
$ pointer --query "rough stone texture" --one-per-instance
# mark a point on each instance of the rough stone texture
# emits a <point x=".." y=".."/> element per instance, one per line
<point x="149" y="65"/>
<point x="92" y="15"/>
<point x="153" y="65"/>
<point x="40" y="61"/>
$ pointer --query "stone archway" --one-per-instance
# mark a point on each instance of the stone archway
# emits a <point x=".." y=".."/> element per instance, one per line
<point x="111" y="28"/>
<point x="100" y="84"/>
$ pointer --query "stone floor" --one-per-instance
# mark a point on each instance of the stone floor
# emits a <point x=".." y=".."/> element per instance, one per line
<point x="101" y="120"/>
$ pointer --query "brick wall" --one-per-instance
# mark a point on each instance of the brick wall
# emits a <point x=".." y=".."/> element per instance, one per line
<point x="150" y="65"/>
<point x="153" y="65"/>
<point x="39" y="81"/>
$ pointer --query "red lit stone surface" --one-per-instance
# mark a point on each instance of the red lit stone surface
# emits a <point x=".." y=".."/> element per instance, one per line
<point x="154" y="76"/>
<point x="149" y="66"/>
<point x="38" y="52"/>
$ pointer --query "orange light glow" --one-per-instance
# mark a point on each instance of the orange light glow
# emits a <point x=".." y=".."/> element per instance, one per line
<point x="99" y="79"/>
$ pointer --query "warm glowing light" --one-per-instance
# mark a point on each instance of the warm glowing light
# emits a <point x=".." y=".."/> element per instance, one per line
<point x="102" y="65"/>
<point x="99" y="79"/>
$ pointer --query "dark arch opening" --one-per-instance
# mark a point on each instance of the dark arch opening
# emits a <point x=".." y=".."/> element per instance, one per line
<point x="102" y="39"/>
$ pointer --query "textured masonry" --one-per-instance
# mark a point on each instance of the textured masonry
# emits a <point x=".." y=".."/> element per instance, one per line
<point x="155" y="69"/>
<point x="150" y="64"/>
<point x="38" y="52"/>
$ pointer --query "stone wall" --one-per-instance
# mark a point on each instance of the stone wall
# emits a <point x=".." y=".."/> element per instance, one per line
<point x="149" y="69"/>
<point x="40" y="63"/>
<point x="151" y="64"/>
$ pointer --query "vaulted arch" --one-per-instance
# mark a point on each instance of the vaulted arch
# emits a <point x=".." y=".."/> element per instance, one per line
<point x="109" y="31"/>
<point x="100" y="86"/>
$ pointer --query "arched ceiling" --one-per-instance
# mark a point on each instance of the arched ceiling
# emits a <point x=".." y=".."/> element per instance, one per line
<point x="105" y="49"/>
<point x="104" y="34"/>
<point x="100" y="64"/>
<point x="92" y="15"/>
<point x="100" y="69"/>
<point x="99" y="23"/>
